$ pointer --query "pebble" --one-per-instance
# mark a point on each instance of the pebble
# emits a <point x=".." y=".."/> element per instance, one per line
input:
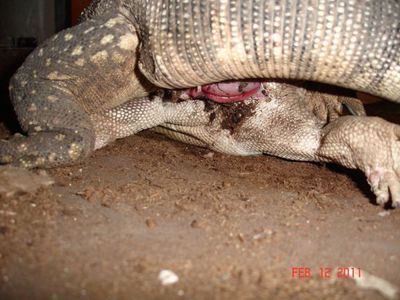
<point x="167" y="277"/>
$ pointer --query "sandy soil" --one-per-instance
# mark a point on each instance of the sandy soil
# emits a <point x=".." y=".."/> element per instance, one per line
<point x="228" y="227"/>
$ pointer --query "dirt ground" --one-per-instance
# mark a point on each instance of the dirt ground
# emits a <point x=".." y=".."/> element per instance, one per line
<point x="228" y="227"/>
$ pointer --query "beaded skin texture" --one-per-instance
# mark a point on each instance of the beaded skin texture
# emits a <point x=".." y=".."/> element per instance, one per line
<point x="128" y="66"/>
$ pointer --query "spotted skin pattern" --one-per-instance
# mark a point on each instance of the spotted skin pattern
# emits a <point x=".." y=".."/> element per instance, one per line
<point x="63" y="82"/>
<point x="105" y="79"/>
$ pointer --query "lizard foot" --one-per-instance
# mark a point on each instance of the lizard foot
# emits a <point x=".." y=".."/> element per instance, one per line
<point x="385" y="184"/>
<point x="45" y="149"/>
<point x="372" y="145"/>
<point x="383" y="173"/>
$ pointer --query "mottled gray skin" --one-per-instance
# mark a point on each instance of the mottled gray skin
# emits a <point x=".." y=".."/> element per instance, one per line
<point x="102" y="80"/>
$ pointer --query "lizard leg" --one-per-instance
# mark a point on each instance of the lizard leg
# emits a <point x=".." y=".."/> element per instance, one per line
<point x="366" y="143"/>
<point x="58" y="132"/>
<point x="144" y="113"/>
<point x="77" y="73"/>
<point x="370" y="144"/>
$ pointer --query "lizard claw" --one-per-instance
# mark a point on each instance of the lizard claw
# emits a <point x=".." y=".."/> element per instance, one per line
<point x="384" y="177"/>
<point x="385" y="184"/>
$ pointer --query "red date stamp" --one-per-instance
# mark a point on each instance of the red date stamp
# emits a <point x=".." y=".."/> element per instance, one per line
<point x="302" y="272"/>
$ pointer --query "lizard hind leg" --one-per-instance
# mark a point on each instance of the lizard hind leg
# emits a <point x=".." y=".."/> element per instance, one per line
<point x="58" y="131"/>
<point x="79" y="72"/>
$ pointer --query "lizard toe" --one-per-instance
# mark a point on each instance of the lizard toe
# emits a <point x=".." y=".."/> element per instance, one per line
<point x="379" y="185"/>
<point x="385" y="184"/>
<point x="385" y="176"/>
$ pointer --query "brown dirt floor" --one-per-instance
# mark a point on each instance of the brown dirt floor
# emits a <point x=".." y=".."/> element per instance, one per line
<point x="229" y="227"/>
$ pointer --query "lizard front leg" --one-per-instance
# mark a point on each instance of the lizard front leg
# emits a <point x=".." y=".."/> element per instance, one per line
<point x="144" y="113"/>
<point x="370" y="144"/>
